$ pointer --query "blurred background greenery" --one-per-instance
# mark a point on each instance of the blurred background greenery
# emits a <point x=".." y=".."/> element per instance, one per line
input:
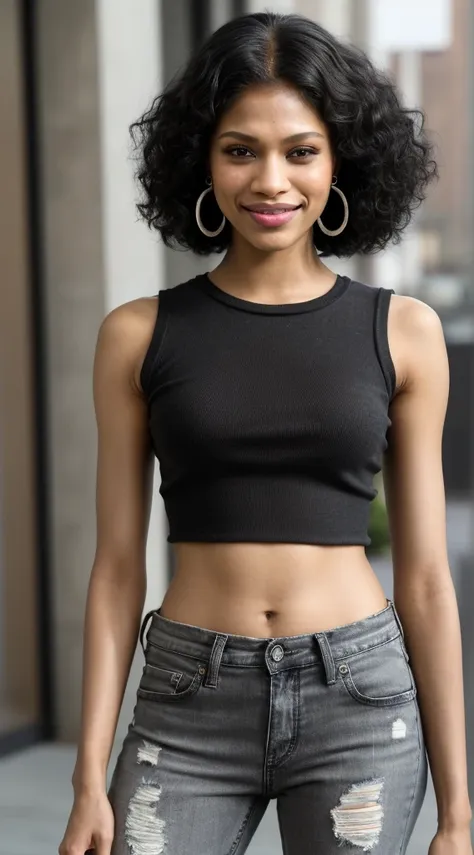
<point x="379" y="532"/>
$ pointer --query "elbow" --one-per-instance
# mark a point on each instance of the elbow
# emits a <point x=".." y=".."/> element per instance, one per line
<point x="432" y="585"/>
<point x="120" y="574"/>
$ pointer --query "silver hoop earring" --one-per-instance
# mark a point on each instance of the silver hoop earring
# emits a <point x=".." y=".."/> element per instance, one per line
<point x="335" y="232"/>
<point x="198" y="214"/>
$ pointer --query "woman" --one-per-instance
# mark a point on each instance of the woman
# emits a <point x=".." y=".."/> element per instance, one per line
<point x="272" y="391"/>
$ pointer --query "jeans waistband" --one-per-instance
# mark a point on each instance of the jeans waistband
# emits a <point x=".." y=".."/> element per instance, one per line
<point x="274" y="653"/>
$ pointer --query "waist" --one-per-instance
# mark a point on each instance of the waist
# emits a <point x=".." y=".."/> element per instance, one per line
<point x="301" y="649"/>
<point x="262" y="590"/>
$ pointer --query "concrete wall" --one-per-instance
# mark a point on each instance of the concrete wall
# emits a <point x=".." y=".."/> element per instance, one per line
<point x="98" y="65"/>
<point x="75" y="303"/>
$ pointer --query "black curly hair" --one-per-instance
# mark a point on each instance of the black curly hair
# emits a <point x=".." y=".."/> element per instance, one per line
<point x="385" y="159"/>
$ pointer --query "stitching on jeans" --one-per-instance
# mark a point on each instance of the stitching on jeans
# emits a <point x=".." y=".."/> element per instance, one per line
<point x="251" y="810"/>
<point x="159" y="668"/>
<point x="366" y="649"/>
<point x="176" y="650"/>
<point x="417" y="775"/>
<point x="382" y="701"/>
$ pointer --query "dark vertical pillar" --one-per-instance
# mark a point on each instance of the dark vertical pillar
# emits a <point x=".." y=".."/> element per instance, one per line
<point x="38" y="326"/>
<point x="239" y="7"/>
<point x="201" y="21"/>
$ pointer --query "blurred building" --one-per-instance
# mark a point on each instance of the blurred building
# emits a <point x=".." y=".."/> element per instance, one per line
<point x="74" y="76"/>
<point x="446" y="92"/>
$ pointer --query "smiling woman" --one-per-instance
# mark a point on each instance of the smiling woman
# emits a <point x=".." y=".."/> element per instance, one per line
<point x="382" y="157"/>
<point x="273" y="391"/>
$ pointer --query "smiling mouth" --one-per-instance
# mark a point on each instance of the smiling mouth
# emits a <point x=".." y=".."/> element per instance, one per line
<point x="271" y="211"/>
<point x="272" y="219"/>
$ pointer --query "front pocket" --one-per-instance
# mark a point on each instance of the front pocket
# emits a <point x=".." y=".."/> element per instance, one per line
<point x="170" y="675"/>
<point x="380" y="676"/>
<point x="159" y="683"/>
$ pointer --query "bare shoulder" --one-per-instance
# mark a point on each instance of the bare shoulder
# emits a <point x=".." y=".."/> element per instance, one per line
<point x="125" y="334"/>
<point x="416" y="337"/>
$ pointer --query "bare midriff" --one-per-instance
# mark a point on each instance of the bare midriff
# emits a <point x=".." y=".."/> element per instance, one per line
<point x="265" y="590"/>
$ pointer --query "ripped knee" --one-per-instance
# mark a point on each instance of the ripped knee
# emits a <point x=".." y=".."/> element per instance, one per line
<point x="357" y="819"/>
<point x="144" y="830"/>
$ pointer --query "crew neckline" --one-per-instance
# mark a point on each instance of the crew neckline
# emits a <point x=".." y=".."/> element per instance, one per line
<point x="337" y="290"/>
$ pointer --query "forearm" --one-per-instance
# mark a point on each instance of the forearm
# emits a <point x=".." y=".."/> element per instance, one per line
<point x="430" y="620"/>
<point x="112" y="621"/>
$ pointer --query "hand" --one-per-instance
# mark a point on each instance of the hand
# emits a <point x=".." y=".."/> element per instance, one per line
<point x="451" y="842"/>
<point x="90" y="826"/>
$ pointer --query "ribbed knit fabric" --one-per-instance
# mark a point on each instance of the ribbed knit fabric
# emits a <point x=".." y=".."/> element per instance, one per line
<point x="269" y="422"/>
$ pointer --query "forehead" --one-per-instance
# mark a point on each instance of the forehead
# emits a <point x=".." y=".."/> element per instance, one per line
<point x="261" y="109"/>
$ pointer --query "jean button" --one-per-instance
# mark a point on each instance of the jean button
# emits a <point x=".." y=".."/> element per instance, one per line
<point x="343" y="669"/>
<point x="277" y="653"/>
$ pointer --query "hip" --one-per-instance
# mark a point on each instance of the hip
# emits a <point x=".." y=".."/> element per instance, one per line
<point x="316" y="704"/>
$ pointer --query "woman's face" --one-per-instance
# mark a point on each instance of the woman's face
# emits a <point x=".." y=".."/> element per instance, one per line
<point x="252" y="162"/>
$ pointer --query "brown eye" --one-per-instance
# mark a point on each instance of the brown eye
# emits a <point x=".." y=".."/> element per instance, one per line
<point x="235" y="148"/>
<point x="307" y="151"/>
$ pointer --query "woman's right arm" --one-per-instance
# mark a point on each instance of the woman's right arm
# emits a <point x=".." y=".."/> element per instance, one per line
<point x="117" y="586"/>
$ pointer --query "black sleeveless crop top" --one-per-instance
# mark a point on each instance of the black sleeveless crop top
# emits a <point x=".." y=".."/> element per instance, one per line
<point x="269" y="422"/>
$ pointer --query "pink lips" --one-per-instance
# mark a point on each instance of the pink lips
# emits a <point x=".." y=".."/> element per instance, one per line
<point x="277" y="219"/>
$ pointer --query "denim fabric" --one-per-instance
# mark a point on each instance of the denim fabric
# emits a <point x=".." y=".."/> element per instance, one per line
<point x="327" y="724"/>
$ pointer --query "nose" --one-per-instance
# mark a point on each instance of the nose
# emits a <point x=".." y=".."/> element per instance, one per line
<point x="270" y="177"/>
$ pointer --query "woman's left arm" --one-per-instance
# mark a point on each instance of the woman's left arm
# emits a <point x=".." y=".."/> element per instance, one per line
<point x="424" y="594"/>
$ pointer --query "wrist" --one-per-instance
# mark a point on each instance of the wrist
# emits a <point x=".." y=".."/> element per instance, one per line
<point x="88" y="781"/>
<point x="89" y="789"/>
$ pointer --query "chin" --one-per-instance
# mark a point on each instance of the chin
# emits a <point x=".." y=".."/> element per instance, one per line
<point x="269" y="237"/>
<point x="272" y="241"/>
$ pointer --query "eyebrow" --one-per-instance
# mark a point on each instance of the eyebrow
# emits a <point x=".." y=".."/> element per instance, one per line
<point x="293" y="138"/>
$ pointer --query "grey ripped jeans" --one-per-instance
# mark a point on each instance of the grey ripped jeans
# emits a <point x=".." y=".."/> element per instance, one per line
<point x="327" y="724"/>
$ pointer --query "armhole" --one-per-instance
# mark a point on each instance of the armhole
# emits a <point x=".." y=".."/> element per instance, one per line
<point x="156" y="342"/>
<point x="382" y="303"/>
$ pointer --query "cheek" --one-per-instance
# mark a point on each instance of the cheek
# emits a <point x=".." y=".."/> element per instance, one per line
<point x="319" y="178"/>
<point x="232" y="188"/>
<point x="230" y="179"/>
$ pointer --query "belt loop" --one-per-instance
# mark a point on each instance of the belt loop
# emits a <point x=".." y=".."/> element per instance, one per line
<point x="328" y="660"/>
<point x="215" y="660"/>
<point x="144" y="626"/>
<point x="397" y="618"/>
